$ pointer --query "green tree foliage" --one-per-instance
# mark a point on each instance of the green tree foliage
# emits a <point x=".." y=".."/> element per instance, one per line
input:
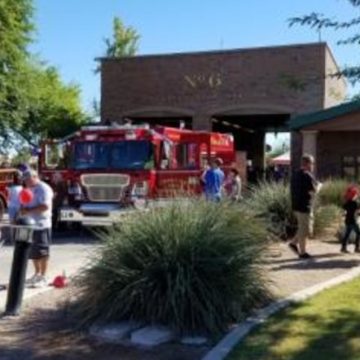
<point x="124" y="41"/>
<point x="350" y="26"/>
<point x="16" y="29"/>
<point x="34" y="101"/>
<point x="53" y="108"/>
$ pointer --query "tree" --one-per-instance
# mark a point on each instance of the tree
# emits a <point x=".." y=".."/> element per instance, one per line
<point x="319" y="22"/>
<point x="34" y="102"/>
<point x="52" y="108"/>
<point x="16" y="29"/>
<point x="124" y="41"/>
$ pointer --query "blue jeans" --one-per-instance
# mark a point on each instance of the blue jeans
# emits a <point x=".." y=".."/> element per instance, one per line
<point x="349" y="229"/>
<point x="213" y="197"/>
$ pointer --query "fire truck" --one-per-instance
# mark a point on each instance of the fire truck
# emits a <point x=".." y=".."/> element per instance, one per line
<point x="101" y="173"/>
<point x="6" y="179"/>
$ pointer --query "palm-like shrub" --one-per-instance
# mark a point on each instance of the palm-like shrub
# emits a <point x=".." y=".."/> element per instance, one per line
<point x="271" y="202"/>
<point x="194" y="267"/>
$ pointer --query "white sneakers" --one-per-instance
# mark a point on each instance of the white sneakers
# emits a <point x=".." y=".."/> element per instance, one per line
<point x="37" y="281"/>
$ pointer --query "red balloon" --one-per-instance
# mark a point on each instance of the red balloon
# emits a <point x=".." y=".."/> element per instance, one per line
<point x="25" y="196"/>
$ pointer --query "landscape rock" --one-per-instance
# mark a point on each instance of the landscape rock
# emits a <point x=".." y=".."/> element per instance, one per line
<point x="152" y="336"/>
<point x="114" y="332"/>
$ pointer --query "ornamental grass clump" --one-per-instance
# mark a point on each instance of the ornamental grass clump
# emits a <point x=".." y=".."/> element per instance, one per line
<point x="195" y="267"/>
<point x="271" y="202"/>
<point x="332" y="192"/>
<point x="327" y="219"/>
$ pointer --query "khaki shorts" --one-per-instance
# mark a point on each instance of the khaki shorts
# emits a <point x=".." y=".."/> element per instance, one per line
<point x="304" y="225"/>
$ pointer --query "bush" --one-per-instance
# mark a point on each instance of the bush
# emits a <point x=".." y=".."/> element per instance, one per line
<point x="271" y="202"/>
<point x="194" y="267"/>
<point x="332" y="192"/>
<point x="326" y="218"/>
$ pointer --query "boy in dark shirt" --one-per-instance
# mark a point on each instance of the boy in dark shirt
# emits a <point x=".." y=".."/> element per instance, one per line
<point x="351" y="207"/>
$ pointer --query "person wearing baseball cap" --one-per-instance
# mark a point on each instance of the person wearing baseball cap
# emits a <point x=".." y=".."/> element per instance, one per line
<point x="40" y="210"/>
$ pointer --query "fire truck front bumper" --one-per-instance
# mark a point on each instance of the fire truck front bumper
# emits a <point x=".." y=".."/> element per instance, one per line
<point x="95" y="214"/>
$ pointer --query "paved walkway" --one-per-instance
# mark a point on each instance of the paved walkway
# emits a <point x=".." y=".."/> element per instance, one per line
<point x="289" y="274"/>
<point x="30" y="337"/>
<point x="68" y="253"/>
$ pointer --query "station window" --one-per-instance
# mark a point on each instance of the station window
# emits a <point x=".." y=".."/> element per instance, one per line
<point x="56" y="155"/>
<point x="351" y="167"/>
<point x="165" y="155"/>
<point x="187" y="156"/>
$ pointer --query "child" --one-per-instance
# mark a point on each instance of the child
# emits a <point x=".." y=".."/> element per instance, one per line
<point x="14" y="202"/>
<point x="233" y="185"/>
<point x="351" y="207"/>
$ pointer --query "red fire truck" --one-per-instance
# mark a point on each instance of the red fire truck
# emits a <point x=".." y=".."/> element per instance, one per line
<point x="6" y="179"/>
<point x="102" y="172"/>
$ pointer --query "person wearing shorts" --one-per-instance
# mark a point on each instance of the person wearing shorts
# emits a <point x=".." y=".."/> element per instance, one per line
<point x="40" y="210"/>
<point x="303" y="188"/>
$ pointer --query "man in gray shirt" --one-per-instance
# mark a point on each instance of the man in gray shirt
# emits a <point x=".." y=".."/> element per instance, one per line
<point x="40" y="210"/>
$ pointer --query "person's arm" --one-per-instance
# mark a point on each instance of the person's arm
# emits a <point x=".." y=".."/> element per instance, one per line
<point x="39" y="209"/>
<point x="45" y="198"/>
<point x="311" y="184"/>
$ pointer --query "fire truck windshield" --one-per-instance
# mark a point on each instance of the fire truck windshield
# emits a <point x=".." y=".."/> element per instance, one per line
<point x="122" y="155"/>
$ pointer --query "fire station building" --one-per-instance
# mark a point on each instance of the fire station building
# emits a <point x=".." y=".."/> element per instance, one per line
<point x="247" y="92"/>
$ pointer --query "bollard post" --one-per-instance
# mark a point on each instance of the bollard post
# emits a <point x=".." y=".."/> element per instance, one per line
<point x="23" y="238"/>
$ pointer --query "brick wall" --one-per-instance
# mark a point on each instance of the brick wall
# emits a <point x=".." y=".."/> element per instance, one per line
<point x="330" y="151"/>
<point x="335" y="88"/>
<point x="287" y="79"/>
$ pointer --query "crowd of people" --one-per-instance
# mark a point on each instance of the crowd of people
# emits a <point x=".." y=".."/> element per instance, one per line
<point x="216" y="187"/>
<point x="304" y="188"/>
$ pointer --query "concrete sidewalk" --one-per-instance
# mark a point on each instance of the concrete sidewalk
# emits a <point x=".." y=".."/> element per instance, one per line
<point x="289" y="275"/>
<point x="67" y="254"/>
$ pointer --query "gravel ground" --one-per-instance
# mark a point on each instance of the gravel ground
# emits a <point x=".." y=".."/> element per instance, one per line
<point x="46" y="332"/>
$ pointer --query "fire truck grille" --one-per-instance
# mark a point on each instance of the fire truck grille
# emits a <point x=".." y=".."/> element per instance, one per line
<point x="97" y="193"/>
<point x="105" y="187"/>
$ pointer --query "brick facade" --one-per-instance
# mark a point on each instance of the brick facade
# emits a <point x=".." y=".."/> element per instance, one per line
<point x="273" y="80"/>
<point x="286" y="80"/>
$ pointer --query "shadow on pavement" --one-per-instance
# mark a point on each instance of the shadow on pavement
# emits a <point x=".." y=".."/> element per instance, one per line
<point x="312" y="264"/>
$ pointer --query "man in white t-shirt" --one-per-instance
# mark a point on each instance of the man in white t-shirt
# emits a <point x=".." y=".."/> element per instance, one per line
<point x="40" y="210"/>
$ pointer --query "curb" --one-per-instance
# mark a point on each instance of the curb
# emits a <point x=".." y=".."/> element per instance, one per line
<point x="235" y="336"/>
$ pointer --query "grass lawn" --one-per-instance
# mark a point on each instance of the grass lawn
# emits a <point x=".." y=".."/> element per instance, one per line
<point x="326" y="327"/>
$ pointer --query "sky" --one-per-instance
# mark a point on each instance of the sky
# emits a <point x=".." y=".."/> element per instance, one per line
<point x="70" y="33"/>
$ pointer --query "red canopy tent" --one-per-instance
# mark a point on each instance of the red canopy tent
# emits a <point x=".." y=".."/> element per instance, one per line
<point x="283" y="159"/>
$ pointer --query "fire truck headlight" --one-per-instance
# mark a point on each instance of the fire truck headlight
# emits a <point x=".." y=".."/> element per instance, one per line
<point x="140" y="189"/>
<point x="75" y="191"/>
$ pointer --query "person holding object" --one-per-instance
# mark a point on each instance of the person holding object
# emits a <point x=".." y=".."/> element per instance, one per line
<point x="351" y="208"/>
<point x="214" y="179"/>
<point x="40" y="210"/>
<point x="14" y="192"/>
<point x="233" y="185"/>
<point x="303" y="188"/>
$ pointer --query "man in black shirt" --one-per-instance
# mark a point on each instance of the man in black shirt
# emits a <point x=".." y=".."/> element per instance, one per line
<point x="303" y="188"/>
